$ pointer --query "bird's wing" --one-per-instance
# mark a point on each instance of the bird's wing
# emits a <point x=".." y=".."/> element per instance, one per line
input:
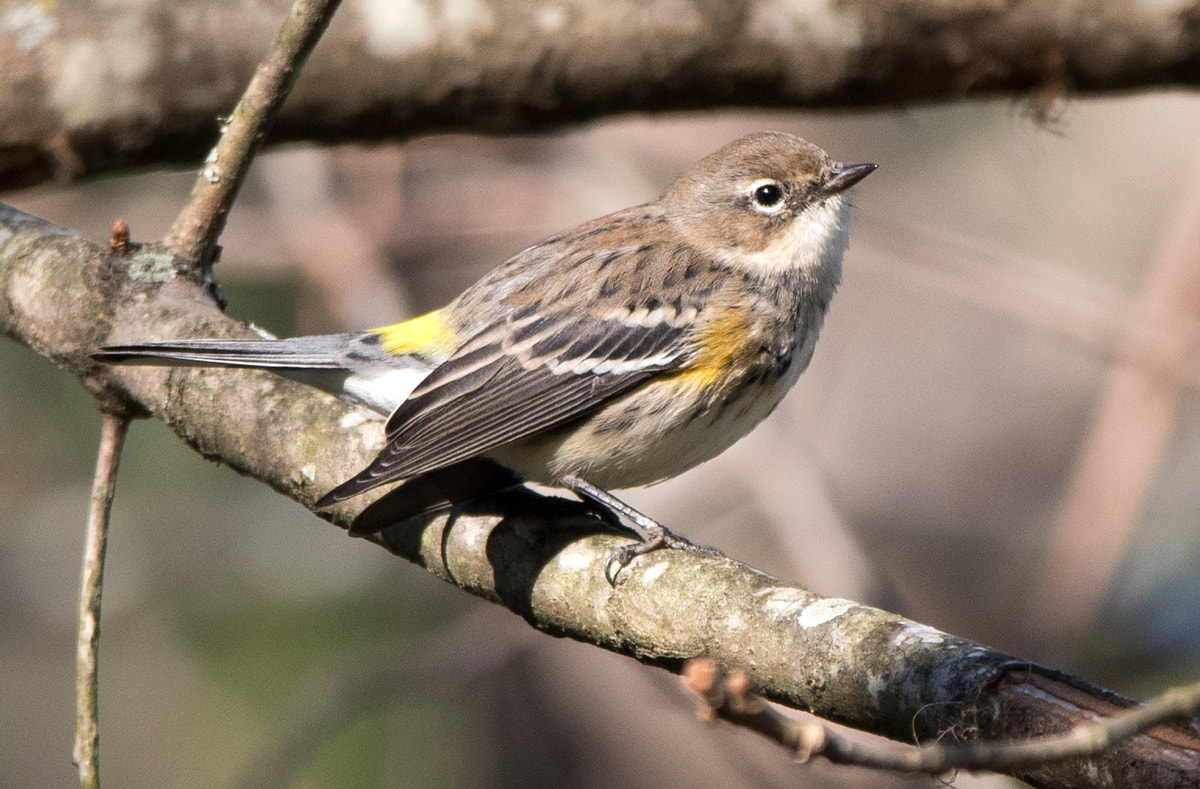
<point x="529" y="374"/>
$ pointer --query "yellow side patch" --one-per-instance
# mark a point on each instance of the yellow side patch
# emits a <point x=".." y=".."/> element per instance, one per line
<point x="720" y="343"/>
<point x="428" y="335"/>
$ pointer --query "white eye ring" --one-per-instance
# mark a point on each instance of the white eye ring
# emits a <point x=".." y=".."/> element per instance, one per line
<point x="767" y="196"/>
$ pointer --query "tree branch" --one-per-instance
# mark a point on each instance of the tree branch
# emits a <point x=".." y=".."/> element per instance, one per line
<point x="542" y="557"/>
<point x="92" y="86"/>
<point x="113" y="427"/>
<point x="729" y="697"/>
<point x="193" y="237"/>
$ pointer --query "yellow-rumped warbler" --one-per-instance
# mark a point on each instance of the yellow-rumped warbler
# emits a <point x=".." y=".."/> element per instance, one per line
<point x="613" y="355"/>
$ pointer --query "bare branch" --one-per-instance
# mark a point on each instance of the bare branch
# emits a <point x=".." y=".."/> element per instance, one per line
<point x="729" y="697"/>
<point x="89" y="86"/>
<point x="113" y="427"/>
<point x="193" y="238"/>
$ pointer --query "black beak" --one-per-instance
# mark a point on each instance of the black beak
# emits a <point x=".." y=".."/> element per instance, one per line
<point x="844" y="176"/>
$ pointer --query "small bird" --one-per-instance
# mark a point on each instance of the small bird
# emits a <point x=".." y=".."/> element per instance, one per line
<point x="613" y="355"/>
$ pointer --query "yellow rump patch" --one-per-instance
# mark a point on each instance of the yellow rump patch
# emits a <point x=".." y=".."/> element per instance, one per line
<point x="428" y="335"/>
<point x="720" y="344"/>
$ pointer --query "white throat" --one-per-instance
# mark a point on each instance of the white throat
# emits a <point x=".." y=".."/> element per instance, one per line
<point x="813" y="244"/>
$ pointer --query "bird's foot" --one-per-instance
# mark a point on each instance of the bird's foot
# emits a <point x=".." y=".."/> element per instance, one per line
<point x="653" y="535"/>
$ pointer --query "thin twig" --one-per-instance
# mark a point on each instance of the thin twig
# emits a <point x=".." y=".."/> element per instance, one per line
<point x="728" y="697"/>
<point x="193" y="237"/>
<point x="87" y="714"/>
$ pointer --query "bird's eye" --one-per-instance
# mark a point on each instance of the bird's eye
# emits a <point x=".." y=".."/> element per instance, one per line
<point x="768" y="197"/>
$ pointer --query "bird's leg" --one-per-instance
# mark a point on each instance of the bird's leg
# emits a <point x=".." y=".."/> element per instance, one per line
<point x="652" y="533"/>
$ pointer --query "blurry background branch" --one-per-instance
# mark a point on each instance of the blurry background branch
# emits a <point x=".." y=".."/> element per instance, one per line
<point x="88" y="87"/>
<point x="539" y="556"/>
<point x="1131" y="431"/>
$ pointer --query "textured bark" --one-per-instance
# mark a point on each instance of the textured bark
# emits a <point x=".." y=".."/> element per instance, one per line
<point x="543" y="557"/>
<point x="88" y="86"/>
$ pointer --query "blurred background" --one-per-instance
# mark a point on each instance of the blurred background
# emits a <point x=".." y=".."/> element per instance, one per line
<point x="998" y="437"/>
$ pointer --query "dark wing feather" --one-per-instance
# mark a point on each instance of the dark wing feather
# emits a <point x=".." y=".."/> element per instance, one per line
<point x="489" y="395"/>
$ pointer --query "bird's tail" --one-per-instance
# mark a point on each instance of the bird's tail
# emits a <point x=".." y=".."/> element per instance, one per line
<point x="319" y="352"/>
<point x="353" y="366"/>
